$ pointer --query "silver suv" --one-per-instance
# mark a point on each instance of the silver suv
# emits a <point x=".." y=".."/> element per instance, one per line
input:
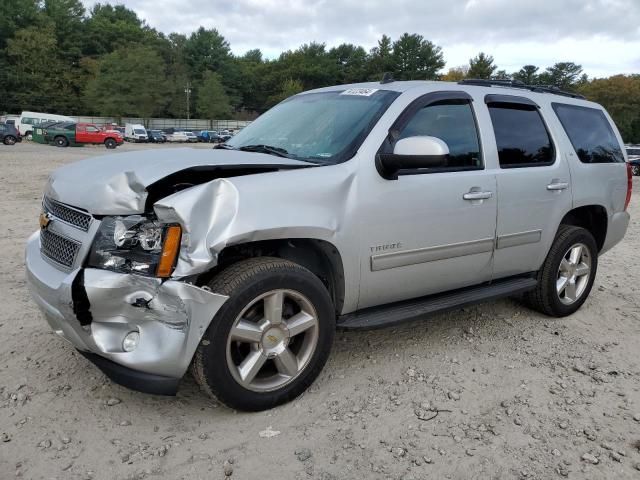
<point x="352" y="207"/>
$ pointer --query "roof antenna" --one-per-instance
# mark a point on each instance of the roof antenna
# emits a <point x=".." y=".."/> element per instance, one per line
<point x="387" y="77"/>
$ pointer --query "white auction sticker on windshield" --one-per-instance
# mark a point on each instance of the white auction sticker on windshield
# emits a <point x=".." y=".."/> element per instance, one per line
<point x="363" y="92"/>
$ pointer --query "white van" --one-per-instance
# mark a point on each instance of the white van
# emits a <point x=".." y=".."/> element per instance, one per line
<point x="28" y="120"/>
<point x="134" y="132"/>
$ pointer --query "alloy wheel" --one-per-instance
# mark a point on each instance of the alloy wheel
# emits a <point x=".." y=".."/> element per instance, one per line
<point x="573" y="274"/>
<point x="272" y="340"/>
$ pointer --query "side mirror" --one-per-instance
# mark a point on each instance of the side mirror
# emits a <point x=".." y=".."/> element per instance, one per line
<point x="412" y="153"/>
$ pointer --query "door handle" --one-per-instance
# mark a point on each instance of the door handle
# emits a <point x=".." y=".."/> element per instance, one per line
<point x="555" y="186"/>
<point x="477" y="195"/>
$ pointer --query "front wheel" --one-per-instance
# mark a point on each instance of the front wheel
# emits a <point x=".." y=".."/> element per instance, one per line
<point x="10" y="140"/>
<point x="110" y="143"/>
<point x="272" y="337"/>
<point x="567" y="275"/>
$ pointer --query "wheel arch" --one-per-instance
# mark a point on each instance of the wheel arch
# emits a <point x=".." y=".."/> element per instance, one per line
<point x="593" y="218"/>
<point x="320" y="257"/>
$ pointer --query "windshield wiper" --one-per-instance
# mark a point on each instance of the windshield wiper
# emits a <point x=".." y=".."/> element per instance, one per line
<point x="268" y="149"/>
<point x="223" y="146"/>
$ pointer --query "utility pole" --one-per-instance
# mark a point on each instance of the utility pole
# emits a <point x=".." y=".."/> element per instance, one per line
<point x="187" y="90"/>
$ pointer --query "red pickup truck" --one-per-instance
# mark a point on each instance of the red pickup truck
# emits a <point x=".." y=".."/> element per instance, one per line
<point x="83" y="133"/>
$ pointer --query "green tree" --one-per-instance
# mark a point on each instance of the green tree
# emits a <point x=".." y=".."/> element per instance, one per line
<point x="206" y="50"/>
<point x="130" y="81"/>
<point x="109" y="27"/>
<point x="416" y="58"/>
<point x="289" y="88"/>
<point x="564" y="75"/>
<point x="620" y="95"/>
<point x="381" y="59"/>
<point x="527" y="75"/>
<point x="481" y="66"/>
<point x="212" y="101"/>
<point x="351" y="61"/>
<point x="35" y="74"/>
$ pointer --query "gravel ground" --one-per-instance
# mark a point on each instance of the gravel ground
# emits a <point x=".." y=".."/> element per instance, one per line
<point x="493" y="391"/>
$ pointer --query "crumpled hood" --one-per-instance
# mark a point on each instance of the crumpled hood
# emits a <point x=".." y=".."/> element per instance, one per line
<point x="116" y="184"/>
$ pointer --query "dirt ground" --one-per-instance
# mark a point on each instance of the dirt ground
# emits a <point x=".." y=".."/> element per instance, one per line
<point x="490" y="392"/>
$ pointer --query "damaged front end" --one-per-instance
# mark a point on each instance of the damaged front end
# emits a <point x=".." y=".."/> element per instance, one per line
<point x="141" y="331"/>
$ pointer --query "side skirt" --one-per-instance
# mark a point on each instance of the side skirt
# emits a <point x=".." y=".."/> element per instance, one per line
<point x="419" y="308"/>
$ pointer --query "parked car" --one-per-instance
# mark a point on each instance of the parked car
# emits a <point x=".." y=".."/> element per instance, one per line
<point x="355" y="206"/>
<point x="191" y="137"/>
<point x="9" y="134"/>
<point x="208" y="136"/>
<point x="633" y="153"/>
<point x="134" y="132"/>
<point x="28" y="120"/>
<point x="177" y="136"/>
<point x="156" y="136"/>
<point x="77" y="134"/>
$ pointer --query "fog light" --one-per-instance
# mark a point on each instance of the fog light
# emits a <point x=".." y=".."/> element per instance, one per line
<point x="130" y="342"/>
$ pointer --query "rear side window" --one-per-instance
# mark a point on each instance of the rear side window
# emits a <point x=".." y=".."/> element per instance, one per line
<point x="590" y="133"/>
<point x="521" y="136"/>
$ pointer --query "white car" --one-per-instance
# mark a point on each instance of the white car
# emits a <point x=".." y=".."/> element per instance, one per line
<point x="178" y="137"/>
<point x="191" y="137"/>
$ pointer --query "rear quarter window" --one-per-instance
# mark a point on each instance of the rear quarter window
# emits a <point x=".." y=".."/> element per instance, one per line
<point x="590" y="133"/>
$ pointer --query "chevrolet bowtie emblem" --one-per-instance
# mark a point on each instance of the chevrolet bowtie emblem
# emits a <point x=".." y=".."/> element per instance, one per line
<point x="44" y="220"/>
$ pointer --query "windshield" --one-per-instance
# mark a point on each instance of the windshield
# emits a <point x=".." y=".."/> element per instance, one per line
<point x="326" y="127"/>
<point x="138" y="131"/>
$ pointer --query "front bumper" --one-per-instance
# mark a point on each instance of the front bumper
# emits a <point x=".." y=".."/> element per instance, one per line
<point x="171" y="317"/>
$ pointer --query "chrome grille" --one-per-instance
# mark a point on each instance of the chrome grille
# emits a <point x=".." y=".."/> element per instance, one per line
<point x="57" y="248"/>
<point x="67" y="214"/>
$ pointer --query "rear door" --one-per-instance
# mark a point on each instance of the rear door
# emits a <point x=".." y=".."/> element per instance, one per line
<point x="534" y="184"/>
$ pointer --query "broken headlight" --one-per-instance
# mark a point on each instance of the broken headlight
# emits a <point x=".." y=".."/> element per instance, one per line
<point x="135" y="244"/>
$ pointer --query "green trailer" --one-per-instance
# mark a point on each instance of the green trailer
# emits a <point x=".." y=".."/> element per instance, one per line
<point x="38" y="133"/>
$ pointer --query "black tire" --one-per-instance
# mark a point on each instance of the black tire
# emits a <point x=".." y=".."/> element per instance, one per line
<point x="28" y="136"/>
<point x="61" y="141"/>
<point x="110" y="143"/>
<point x="243" y="282"/>
<point x="545" y="297"/>
<point x="635" y="170"/>
<point x="10" y="140"/>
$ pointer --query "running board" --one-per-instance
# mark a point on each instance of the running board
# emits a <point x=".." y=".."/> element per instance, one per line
<point x="394" y="313"/>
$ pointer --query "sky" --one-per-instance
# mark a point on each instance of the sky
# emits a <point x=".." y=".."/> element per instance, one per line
<point x="601" y="35"/>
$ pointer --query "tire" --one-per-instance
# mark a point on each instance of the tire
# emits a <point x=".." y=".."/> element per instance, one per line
<point x="549" y="296"/>
<point x="28" y="136"/>
<point x="635" y="170"/>
<point x="61" y="141"/>
<point x="10" y="140"/>
<point x="110" y="143"/>
<point x="251" y="285"/>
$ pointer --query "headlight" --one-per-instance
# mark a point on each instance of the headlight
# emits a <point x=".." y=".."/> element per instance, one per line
<point x="136" y="244"/>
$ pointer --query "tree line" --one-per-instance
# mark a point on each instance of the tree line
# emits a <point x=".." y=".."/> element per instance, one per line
<point x="56" y="56"/>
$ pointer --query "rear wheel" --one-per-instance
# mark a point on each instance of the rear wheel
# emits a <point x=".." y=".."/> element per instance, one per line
<point x="28" y="136"/>
<point x="10" y="140"/>
<point x="270" y="340"/>
<point x="567" y="275"/>
<point x="635" y="169"/>
<point x="110" y="143"/>
<point x="61" y="141"/>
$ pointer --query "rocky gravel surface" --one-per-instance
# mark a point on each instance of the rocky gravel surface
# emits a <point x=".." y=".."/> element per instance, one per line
<point x="490" y="392"/>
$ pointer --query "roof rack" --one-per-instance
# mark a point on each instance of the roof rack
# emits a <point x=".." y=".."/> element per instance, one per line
<point x="518" y="84"/>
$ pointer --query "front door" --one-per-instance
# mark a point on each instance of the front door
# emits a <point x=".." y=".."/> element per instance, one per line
<point x="433" y="229"/>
